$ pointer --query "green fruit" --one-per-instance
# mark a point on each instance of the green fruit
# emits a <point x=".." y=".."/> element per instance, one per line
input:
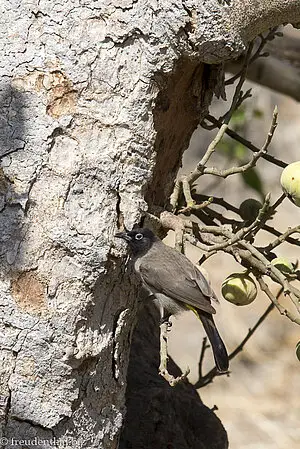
<point x="290" y="182"/>
<point x="249" y="209"/>
<point x="239" y="289"/>
<point x="283" y="265"/>
<point x="298" y="350"/>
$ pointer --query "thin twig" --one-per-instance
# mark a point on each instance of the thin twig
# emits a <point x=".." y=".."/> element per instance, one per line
<point x="223" y="220"/>
<point x="187" y="192"/>
<point x="208" y="378"/>
<point x="258" y="52"/>
<point x="177" y="224"/>
<point x="282" y="310"/>
<point x="239" y="348"/>
<point x="278" y="202"/>
<point x="205" y="346"/>
<point x="233" y="238"/>
<point x="163" y="368"/>
<point x="175" y="195"/>
<point x="201" y="169"/>
<point x="237" y="93"/>
<point x="241" y="169"/>
<point x="186" y="181"/>
<point x="275" y="274"/>
<point x="195" y="242"/>
<point x="277" y="233"/>
<point x="163" y="348"/>
<point x="283" y="238"/>
<point x="225" y="119"/>
<point x="195" y="207"/>
<point x="259" y="261"/>
<point x="195" y="174"/>
<point x="246" y="142"/>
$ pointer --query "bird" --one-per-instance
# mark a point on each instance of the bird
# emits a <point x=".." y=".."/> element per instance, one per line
<point x="175" y="284"/>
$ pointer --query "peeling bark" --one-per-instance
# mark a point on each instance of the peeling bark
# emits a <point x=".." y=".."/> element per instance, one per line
<point x="87" y="132"/>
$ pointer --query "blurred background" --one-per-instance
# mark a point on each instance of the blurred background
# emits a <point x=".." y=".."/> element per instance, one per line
<point x="259" y="403"/>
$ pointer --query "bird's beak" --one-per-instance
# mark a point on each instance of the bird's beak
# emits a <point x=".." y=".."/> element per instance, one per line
<point x="124" y="236"/>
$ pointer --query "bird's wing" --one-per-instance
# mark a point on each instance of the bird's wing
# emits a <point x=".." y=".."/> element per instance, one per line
<point x="179" y="279"/>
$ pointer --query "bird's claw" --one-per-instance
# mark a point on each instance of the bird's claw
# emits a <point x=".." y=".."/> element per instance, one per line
<point x="166" y="321"/>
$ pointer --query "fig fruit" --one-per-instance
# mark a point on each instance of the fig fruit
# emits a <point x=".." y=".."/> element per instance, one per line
<point x="239" y="289"/>
<point x="249" y="209"/>
<point x="290" y="182"/>
<point x="298" y="350"/>
<point x="283" y="265"/>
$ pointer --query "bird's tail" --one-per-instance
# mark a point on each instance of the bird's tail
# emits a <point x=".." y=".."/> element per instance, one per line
<point x="218" y="347"/>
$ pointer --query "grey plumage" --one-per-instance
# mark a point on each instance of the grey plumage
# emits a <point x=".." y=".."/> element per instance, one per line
<point x="175" y="284"/>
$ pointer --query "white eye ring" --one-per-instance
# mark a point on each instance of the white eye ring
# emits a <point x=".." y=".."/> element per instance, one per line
<point x="139" y="236"/>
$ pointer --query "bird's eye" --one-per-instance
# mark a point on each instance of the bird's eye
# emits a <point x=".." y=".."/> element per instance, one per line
<point x="139" y="236"/>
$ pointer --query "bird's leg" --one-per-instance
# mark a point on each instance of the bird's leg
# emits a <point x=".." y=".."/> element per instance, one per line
<point x="163" y="368"/>
<point x="165" y="318"/>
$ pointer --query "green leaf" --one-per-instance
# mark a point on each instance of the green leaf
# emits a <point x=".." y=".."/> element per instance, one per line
<point x="232" y="150"/>
<point x="240" y="152"/>
<point x="238" y="118"/>
<point x="252" y="179"/>
<point x="257" y="113"/>
<point x="225" y="147"/>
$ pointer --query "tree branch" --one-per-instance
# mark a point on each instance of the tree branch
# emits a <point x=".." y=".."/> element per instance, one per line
<point x="282" y="310"/>
<point x="246" y="142"/>
<point x="283" y="63"/>
<point x="208" y="378"/>
<point x="163" y="368"/>
<point x="250" y="19"/>
<point x="283" y="238"/>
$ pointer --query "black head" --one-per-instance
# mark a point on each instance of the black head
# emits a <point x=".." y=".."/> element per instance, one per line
<point x="139" y="239"/>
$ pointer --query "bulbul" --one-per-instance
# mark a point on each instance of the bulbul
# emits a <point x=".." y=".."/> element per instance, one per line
<point x="175" y="284"/>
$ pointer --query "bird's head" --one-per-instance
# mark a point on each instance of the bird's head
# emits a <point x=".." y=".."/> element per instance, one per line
<point x="139" y="239"/>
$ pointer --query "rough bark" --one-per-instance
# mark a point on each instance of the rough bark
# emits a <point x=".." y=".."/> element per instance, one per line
<point x="92" y="96"/>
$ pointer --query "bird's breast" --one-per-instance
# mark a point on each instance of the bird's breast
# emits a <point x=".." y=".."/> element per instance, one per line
<point x="137" y="264"/>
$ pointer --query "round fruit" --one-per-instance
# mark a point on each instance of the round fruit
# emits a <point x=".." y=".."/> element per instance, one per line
<point x="239" y="289"/>
<point x="298" y="350"/>
<point x="290" y="182"/>
<point x="249" y="209"/>
<point x="283" y="265"/>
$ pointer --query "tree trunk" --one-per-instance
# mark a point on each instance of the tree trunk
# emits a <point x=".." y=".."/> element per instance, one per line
<point x="98" y="102"/>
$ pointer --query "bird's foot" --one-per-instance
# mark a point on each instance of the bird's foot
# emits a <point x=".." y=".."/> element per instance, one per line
<point x="166" y="320"/>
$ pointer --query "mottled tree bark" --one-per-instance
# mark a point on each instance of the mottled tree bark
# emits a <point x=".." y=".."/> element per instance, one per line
<point x="98" y="102"/>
